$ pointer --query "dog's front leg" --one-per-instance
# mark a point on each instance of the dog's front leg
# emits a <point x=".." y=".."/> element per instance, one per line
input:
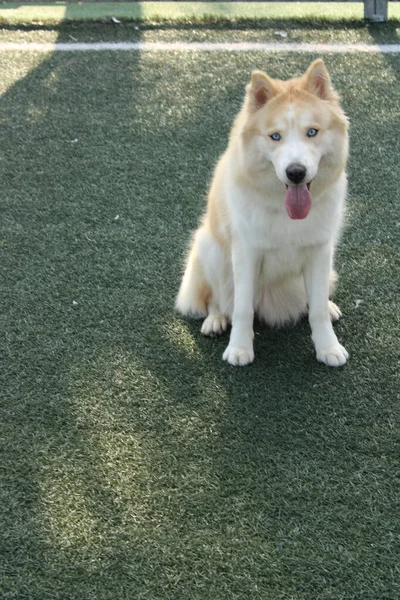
<point x="316" y="278"/>
<point x="240" y="349"/>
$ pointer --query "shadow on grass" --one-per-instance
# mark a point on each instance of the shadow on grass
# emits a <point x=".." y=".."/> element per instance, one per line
<point x="392" y="32"/>
<point x="137" y="462"/>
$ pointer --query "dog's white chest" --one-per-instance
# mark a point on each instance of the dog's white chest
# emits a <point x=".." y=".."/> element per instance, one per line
<point x="265" y="225"/>
<point x="279" y="264"/>
<point x="277" y="232"/>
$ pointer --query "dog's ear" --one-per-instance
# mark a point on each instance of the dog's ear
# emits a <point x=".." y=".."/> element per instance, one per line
<point x="260" y="89"/>
<point x="318" y="82"/>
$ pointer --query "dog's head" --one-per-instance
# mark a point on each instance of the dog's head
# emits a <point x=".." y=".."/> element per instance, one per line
<point x="299" y="127"/>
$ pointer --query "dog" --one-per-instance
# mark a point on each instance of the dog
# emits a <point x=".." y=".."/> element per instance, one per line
<point x="266" y="243"/>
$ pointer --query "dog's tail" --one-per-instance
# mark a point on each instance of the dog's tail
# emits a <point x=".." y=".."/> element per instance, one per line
<point x="194" y="292"/>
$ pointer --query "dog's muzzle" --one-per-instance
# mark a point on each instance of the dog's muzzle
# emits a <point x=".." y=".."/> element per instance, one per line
<point x="296" y="173"/>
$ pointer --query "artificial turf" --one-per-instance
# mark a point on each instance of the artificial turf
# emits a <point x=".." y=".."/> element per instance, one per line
<point x="135" y="463"/>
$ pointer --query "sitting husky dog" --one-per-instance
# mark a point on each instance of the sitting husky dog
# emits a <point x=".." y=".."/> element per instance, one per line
<point x="267" y="240"/>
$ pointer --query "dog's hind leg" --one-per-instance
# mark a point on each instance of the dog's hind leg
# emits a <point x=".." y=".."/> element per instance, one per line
<point x="217" y="272"/>
<point x="215" y="323"/>
<point x="334" y="311"/>
<point x="206" y="289"/>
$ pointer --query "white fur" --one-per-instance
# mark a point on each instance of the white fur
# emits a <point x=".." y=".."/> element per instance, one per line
<point x="248" y="256"/>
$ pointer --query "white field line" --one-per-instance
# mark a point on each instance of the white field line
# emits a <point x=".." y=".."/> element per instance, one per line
<point x="197" y="47"/>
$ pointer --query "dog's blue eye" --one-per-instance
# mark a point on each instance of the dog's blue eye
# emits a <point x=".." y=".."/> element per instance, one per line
<point x="312" y="132"/>
<point x="276" y="137"/>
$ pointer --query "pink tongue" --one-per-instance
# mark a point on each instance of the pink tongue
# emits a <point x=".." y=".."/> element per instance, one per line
<point x="298" y="201"/>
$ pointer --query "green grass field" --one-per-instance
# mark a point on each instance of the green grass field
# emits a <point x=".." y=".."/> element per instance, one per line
<point x="135" y="464"/>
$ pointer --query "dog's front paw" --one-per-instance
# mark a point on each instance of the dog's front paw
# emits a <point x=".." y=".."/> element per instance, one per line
<point x="334" y="356"/>
<point x="239" y="355"/>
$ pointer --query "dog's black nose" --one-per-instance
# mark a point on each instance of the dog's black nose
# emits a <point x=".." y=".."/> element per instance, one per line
<point x="296" y="172"/>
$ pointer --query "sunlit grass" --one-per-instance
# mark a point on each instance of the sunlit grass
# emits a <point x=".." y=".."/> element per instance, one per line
<point x="114" y="478"/>
<point x="181" y="336"/>
<point x="18" y="68"/>
<point x="184" y="11"/>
